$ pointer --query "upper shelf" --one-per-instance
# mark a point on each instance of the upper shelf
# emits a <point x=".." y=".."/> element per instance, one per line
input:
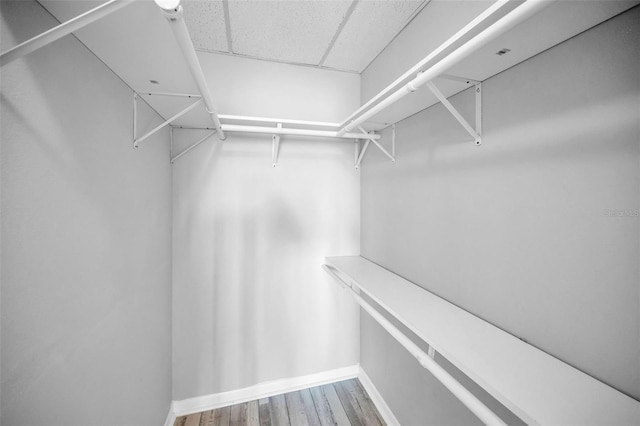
<point x="557" y="22"/>
<point x="537" y="387"/>
<point x="143" y="58"/>
<point x="137" y="44"/>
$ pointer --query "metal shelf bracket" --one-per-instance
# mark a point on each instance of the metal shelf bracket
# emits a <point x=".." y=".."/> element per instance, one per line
<point x="362" y="151"/>
<point x="393" y="140"/>
<point x="135" y="116"/>
<point x="136" y="140"/>
<point x="384" y="151"/>
<point x="275" y="150"/>
<point x="476" y="133"/>
<point x="478" y="91"/>
<point x="192" y="146"/>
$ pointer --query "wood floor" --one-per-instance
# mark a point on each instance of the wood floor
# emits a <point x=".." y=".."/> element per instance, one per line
<point x="340" y="403"/>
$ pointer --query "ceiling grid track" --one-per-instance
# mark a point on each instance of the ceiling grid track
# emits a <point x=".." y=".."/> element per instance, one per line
<point x="227" y="25"/>
<point x="277" y="61"/>
<point x="347" y="15"/>
<point x="411" y="18"/>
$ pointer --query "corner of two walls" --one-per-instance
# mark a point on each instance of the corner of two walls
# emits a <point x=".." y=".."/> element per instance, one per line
<point x="535" y="231"/>
<point x="86" y="260"/>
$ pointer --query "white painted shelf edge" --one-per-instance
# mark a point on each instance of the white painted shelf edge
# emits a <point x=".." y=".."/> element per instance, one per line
<point x="537" y="387"/>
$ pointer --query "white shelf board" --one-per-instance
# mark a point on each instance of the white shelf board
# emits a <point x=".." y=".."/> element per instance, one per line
<point x="537" y="387"/>
<point x="555" y="24"/>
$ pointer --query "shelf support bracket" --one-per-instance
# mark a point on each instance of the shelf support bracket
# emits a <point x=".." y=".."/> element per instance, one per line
<point x="459" y="79"/>
<point x="478" y="91"/>
<point x="135" y="115"/>
<point x="137" y="141"/>
<point x="362" y="151"/>
<point x="475" y="133"/>
<point x="385" y="152"/>
<point x="275" y="150"/>
<point x="207" y="136"/>
<point x="393" y="140"/>
<point x="171" y="144"/>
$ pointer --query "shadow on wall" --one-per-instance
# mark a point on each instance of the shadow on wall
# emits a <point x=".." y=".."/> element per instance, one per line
<point x="251" y="271"/>
<point x="580" y="132"/>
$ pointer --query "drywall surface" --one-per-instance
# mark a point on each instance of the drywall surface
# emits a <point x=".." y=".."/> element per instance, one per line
<point x="537" y="230"/>
<point x="86" y="240"/>
<point x="250" y="301"/>
<point x="250" y="87"/>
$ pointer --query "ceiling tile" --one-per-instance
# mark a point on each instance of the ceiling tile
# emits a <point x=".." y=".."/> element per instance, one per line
<point x="372" y="25"/>
<point x="205" y="20"/>
<point x="289" y="31"/>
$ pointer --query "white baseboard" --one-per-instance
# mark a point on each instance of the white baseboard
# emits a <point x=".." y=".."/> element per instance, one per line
<point x="171" y="417"/>
<point x="261" y="390"/>
<point x="378" y="401"/>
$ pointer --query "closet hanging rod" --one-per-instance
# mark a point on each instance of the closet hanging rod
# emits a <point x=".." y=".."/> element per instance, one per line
<point x="296" y="132"/>
<point x="61" y="30"/>
<point x="483" y="412"/>
<point x="277" y="120"/>
<point x="173" y="12"/>
<point x="175" y="95"/>
<point x="413" y="70"/>
<point x="513" y="18"/>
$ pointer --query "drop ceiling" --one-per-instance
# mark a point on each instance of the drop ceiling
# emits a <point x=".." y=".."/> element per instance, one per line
<point x="339" y="34"/>
<point x="137" y="44"/>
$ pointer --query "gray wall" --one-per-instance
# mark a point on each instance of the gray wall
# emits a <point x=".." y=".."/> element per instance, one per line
<point x="520" y="230"/>
<point x="250" y="302"/>
<point x="86" y="257"/>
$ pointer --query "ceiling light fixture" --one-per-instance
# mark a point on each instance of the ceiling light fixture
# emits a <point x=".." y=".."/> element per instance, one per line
<point x="168" y="4"/>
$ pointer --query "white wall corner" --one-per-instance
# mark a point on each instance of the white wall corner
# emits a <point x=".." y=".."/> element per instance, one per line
<point x="376" y="398"/>
<point x="171" y="416"/>
<point x="260" y="390"/>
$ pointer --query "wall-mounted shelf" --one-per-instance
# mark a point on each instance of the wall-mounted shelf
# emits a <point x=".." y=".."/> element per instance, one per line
<point x="537" y="387"/>
<point x="136" y="57"/>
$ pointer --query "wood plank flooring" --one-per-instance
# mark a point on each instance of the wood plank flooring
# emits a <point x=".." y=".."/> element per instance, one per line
<point x="342" y="403"/>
